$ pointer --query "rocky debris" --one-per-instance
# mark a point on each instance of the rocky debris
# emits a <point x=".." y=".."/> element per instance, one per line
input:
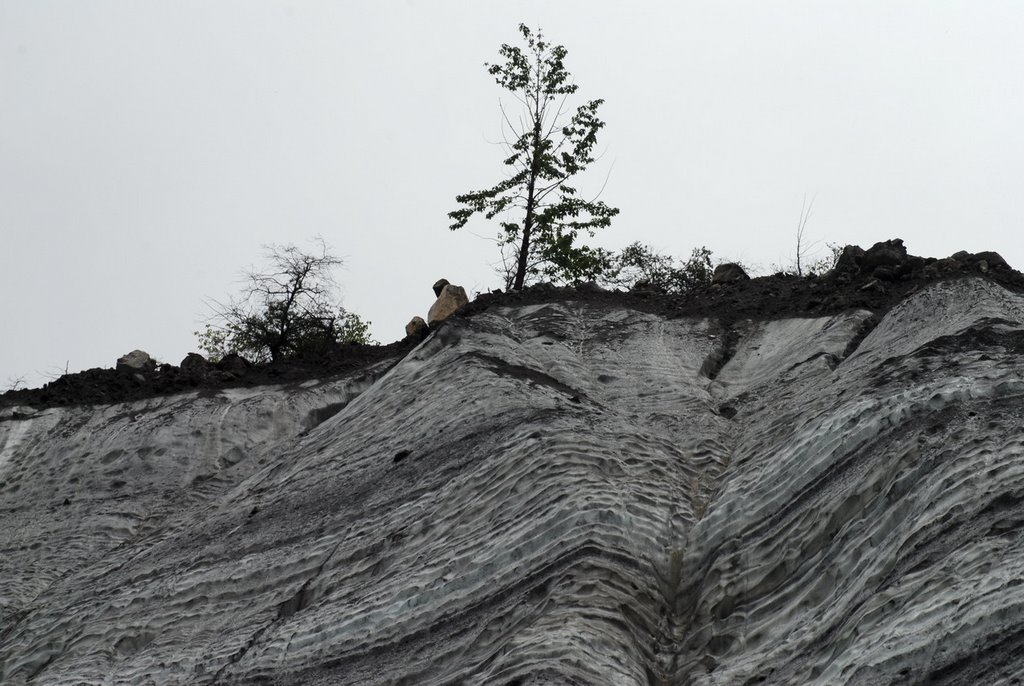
<point x="450" y="300"/>
<point x="94" y="386"/>
<point x="889" y="261"/>
<point x="781" y="295"/>
<point x="884" y="261"/>
<point x="439" y="286"/>
<point x="417" y="327"/>
<point x="136" y="361"/>
<point x="729" y="272"/>
<point x="849" y="285"/>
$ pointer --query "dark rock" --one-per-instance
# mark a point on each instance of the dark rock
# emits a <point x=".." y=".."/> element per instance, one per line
<point x="195" y="365"/>
<point x="994" y="259"/>
<point x="417" y="326"/>
<point x="849" y="259"/>
<point x="885" y="273"/>
<point x="729" y="272"/>
<point x="439" y="286"/>
<point x="885" y="253"/>
<point x="233" y="363"/>
<point x="911" y="265"/>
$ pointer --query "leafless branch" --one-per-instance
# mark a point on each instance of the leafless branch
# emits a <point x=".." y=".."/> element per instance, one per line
<point x="55" y="372"/>
<point x="801" y="227"/>
<point x="15" y="383"/>
<point x="603" y="185"/>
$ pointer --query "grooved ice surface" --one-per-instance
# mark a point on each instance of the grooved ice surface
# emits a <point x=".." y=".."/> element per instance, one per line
<point x="546" y="494"/>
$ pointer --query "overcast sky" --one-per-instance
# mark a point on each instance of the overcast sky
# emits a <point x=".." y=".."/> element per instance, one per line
<point x="149" y="149"/>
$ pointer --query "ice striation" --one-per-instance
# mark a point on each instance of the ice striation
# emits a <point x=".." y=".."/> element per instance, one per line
<point x="559" y="493"/>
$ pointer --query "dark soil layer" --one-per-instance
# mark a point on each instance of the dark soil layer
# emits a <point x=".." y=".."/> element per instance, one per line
<point x="875" y="288"/>
<point x="101" y="386"/>
<point x="875" y="279"/>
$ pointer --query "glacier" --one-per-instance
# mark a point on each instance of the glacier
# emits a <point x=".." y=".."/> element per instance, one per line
<point x="560" y="492"/>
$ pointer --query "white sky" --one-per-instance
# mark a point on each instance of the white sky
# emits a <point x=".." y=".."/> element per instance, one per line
<point x="149" y="149"/>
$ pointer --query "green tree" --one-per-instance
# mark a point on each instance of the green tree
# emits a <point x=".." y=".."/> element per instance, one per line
<point x="288" y="309"/>
<point x="640" y="264"/>
<point x="541" y="215"/>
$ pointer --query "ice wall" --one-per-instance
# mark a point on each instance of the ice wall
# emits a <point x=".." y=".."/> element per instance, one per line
<point x="558" y="493"/>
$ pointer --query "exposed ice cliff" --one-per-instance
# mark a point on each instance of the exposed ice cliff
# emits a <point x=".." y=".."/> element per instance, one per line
<point x="559" y="493"/>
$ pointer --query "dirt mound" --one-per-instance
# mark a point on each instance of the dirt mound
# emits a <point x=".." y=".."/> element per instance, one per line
<point x="873" y="279"/>
<point x="95" y="386"/>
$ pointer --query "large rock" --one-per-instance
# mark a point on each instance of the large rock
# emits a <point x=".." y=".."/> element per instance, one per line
<point x="729" y="272"/>
<point x="450" y="300"/>
<point x="883" y="254"/>
<point x="195" y="364"/>
<point x="849" y="259"/>
<point x="136" y="361"/>
<point x="416" y="327"/>
<point x="439" y="286"/>
<point x="992" y="259"/>
<point x="234" y="363"/>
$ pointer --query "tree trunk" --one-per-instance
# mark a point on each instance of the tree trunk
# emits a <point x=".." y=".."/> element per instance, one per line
<point x="531" y="201"/>
<point x="524" y="246"/>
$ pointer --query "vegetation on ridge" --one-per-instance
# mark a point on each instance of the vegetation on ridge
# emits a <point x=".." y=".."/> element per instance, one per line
<point x="288" y="309"/>
<point x="544" y="153"/>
